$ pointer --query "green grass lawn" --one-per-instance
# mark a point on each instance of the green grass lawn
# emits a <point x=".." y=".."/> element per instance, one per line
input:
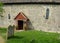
<point x="3" y="32"/>
<point x="31" y="36"/>
<point x="34" y="36"/>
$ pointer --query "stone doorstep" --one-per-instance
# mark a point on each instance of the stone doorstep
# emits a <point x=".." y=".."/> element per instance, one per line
<point x="19" y="30"/>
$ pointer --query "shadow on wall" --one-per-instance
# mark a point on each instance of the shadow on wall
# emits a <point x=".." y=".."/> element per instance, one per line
<point x="30" y="25"/>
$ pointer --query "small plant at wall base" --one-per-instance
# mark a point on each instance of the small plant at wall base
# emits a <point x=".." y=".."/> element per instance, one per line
<point x="1" y="9"/>
<point x="1" y="13"/>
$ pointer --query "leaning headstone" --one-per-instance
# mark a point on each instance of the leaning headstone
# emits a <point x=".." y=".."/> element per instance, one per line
<point x="10" y="31"/>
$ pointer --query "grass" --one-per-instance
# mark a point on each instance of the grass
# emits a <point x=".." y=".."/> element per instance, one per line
<point x="3" y="32"/>
<point x="33" y="36"/>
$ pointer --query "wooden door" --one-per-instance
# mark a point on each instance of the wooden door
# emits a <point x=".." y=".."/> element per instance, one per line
<point x="20" y="25"/>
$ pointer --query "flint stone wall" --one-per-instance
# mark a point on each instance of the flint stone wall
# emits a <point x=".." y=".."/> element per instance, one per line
<point x="36" y="14"/>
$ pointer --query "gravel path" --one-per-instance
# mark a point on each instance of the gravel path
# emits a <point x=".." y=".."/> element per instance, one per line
<point x="1" y="40"/>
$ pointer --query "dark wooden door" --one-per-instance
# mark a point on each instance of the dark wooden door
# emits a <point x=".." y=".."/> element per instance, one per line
<point x="20" y="25"/>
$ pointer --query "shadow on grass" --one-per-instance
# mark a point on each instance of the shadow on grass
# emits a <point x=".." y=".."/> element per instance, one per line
<point x="34" y="41"/>
<point x="15" y="37"/>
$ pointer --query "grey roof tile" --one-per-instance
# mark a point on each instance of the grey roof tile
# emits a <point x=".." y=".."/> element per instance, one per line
<point x="14" y="1"/>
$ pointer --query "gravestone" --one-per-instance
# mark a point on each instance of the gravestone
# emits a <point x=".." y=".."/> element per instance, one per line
<point x="10" y="31"/>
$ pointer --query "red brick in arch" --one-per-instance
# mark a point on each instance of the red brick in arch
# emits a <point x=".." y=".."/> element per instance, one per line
<point x="21" y="16"/>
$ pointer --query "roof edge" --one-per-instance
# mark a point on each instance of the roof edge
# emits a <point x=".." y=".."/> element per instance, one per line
<point x="54" y="3"/>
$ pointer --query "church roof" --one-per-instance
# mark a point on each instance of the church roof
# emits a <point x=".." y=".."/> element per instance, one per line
<point x="23" y="1"/>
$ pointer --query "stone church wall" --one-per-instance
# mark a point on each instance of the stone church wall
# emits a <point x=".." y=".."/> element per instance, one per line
<point x="36" y="14"/>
